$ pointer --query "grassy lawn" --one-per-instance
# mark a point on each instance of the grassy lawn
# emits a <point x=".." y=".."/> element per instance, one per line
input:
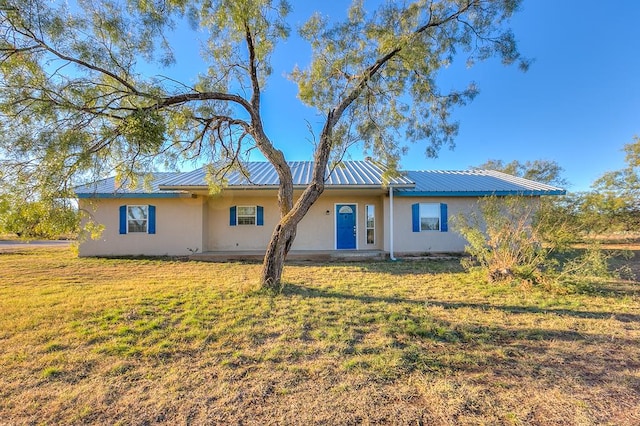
<point x="121" y="341"/>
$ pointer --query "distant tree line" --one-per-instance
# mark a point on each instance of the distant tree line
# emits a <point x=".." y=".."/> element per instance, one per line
<point x="612" y="205"/>
<point x="38" y="219"/>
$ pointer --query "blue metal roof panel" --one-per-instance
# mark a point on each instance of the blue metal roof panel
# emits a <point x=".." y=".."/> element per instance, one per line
<point x="473" y="182"/>
<point x="347" y="173"/>
<point x="106" y="188"/>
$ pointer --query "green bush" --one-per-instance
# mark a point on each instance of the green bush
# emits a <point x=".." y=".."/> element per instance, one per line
<point x="38" y="219"/>
<point x="502" y="239"/>
<point x="528" y="240"/>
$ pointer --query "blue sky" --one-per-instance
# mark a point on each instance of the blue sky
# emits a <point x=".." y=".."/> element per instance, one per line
<point x="578" y="104"/>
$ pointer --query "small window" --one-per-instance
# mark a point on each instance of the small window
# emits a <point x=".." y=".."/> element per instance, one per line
<point x="247" y="215"/>
<point x="429" y="217"/>
<point x="370" y="211"/>
<point x="137" y="218"/>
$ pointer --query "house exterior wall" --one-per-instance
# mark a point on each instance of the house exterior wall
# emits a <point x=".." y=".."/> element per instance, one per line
<point x="407" y="241"/>
<point x="179" y="224"/>
<point x="316" y="231"/>
<point x="184" y="225"/>
<point x="318" y="228"/>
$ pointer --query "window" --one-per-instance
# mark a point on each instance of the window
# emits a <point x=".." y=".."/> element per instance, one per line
<point x="370" y="212"/>
<point x="429" y="217"/>
<point x="137" y="219"/>
<point x="246" y="215"/>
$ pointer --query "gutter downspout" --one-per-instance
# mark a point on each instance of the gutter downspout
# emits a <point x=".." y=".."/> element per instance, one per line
<point x="391" y="256"/>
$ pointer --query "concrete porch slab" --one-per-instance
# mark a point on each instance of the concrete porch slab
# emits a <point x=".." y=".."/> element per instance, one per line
<point x="294" y="255"/>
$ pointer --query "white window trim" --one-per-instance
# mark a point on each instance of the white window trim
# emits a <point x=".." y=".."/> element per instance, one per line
<point x="255" y="216"/>
<point x="439" y="216"/>
<point x="146" y="221"/>
<point x="366" y="224"/>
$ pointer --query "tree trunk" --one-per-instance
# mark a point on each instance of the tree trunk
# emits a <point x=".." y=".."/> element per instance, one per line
<point x="277" y="250"/>
<point x="283" y="236"/>
<point x="290" y="215"/>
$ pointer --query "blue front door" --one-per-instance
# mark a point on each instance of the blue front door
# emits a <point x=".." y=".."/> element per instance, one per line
<point x="346" y="226"/>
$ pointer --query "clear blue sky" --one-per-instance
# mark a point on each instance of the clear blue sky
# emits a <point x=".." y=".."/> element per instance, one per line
<point x="578" y="104"/>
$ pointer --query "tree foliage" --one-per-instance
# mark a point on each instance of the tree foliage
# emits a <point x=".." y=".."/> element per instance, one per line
<point x="614" y="202"/>
<point x="78" y="99"/>
<point x="545" y="171"/>
<point x="37" y="219"/>
<point x="560" y="217"/>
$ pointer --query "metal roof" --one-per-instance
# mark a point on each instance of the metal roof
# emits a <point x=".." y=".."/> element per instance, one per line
<point x="473" y="183"/>
<point x="262" y="174"/>
<point x="349" y="174"/>
<point x="107" y="188"/>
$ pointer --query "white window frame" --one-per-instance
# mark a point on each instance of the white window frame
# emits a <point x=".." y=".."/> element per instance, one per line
<point x="254" y="215"/>
<point x="368" y="228"/>
<point x="423" y="214"/>
<point x="131" y="220"/>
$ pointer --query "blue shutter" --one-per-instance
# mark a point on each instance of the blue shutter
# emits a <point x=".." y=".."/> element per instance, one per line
<point x="123" y="219"/>
<point x="415" y="217"/>
<point x="260" y="216"/>
<point x="152" y="220"/>
<point x="444" y="223"/>
<point x="232" y="216"/>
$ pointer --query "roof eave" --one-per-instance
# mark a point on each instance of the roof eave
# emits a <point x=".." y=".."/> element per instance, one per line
<point x="298" y="186"/>
<point x="119" y="195"/>
<point x="526" y="193"/>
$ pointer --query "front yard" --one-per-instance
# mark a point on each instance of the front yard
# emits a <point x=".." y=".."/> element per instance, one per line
<point x="160" y="341"/>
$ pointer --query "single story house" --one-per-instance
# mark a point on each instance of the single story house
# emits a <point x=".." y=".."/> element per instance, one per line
<point x="358" y="210"/>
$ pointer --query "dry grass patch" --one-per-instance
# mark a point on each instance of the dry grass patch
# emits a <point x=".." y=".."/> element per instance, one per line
<point x="122" y="341"/>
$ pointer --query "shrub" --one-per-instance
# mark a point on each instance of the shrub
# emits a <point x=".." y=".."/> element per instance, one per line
<point x="38" y="219"/>
<point x="521" y="238"/>
<point x="502" y="239"/>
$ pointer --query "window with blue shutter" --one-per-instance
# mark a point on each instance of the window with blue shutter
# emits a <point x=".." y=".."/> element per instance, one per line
<point x="429" y="217"/>
<point x="444" y="222"/>
<point x="152" y="219"/>
<point x="123" y="219"/>
<point x="232" y="216"/>
<point x="260" y="216"/>
<point x="415" y="217"/>
<point x="246" y="215"/>
<point x="137" y="219"/>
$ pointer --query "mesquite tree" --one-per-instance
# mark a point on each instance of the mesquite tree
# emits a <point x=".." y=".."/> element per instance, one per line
<point x="83" y="93"/>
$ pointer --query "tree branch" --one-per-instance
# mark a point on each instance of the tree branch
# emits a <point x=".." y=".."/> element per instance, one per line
<point x="253" y="71"/>
<point x="29" y="34"/>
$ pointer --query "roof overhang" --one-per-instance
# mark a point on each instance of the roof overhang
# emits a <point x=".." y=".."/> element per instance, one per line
<point x="272" y="187"/>
<point x="120" y="195"/>
<point x="477" y="193"/>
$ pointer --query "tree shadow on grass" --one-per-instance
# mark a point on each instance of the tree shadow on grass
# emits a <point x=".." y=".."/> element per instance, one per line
<point x="300" y="290"/>
<point x="410" y="266"/>
<point x="430" y="342"/>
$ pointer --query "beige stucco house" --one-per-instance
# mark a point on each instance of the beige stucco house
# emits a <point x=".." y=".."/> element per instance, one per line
<point x="359" y="211"/>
